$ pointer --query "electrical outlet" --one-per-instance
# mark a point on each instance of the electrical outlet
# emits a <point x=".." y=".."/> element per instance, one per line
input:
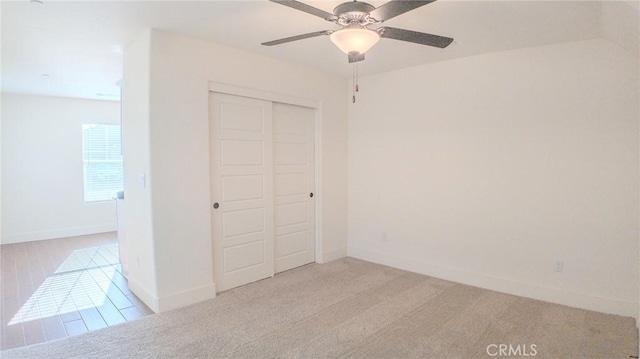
<point x="558" y="265"/>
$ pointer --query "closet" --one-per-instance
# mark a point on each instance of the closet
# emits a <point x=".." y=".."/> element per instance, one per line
<point x="262" y="184"/>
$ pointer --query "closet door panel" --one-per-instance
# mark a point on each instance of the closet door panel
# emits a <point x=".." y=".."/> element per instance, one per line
<point x="294" y="138"/>
<point x="242" y="190"/>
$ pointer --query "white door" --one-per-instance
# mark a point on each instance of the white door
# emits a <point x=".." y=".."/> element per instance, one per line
<point x="293" y="136"/>
<point x="242" y="187"/>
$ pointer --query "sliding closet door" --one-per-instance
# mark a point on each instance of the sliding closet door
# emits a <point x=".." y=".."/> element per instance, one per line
<point x="242" y="189"/>
<point x="293" y="135"/>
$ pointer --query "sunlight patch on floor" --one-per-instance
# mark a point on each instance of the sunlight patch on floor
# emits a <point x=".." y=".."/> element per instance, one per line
<point x="80" y="282"/>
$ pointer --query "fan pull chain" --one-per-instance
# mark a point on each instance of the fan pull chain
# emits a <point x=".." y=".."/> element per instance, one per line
<point x="356" y="88"/>
<point x="354" y="83"/>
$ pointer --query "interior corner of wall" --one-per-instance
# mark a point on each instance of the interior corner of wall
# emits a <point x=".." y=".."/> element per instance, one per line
<point x="332" y="255"/>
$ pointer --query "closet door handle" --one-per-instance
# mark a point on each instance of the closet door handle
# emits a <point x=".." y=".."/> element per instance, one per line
<point x="216" y="205"/>
<point x="311" y="194"/>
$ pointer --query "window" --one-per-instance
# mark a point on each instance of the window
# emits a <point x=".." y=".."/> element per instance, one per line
<point x="102" y="160"/>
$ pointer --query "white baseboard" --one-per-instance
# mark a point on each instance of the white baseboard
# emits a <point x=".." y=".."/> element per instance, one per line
<point x="329" y="256"/>
<point x="183" y="299"/>
<point x="174" y="301"/>
<point x="548" y="294"/>
<point x="58" y="233"/>
<point x="150" y="300"/>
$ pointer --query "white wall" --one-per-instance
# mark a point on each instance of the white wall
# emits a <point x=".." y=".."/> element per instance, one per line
<point x="42" y="184"/>
<point x="135" y="149"/>
<point x="485" y="170"/>
<point x="620" y="24"/>
<point x="180" y="71"/>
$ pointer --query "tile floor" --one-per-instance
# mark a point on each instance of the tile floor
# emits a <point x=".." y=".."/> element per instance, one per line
<point x="63" y="287"/>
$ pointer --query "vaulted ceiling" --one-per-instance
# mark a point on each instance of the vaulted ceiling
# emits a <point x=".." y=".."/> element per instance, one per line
<point x="63" y="48"/>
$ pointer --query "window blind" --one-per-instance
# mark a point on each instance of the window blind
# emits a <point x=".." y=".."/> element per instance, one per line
<point x="102" y="162"/>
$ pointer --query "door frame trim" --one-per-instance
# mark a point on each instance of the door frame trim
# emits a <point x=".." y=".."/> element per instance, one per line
<point x="229" y="89"/>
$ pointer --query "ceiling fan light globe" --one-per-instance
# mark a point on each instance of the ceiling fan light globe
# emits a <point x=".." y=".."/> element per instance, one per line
<point x="355" y="40"/>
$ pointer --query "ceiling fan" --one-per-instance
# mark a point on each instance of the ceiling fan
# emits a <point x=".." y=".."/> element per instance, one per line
<point x="355" y="38"/>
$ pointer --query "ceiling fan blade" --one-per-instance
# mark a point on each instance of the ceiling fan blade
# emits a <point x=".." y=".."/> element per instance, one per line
<point x="415" y="37"/>
<point x="307" y="8"/>
<point x="296" y="38"/>
<point x="394" y="8"/>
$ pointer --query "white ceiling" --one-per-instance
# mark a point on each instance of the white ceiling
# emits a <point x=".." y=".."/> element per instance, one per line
<point x="79" y="44"/>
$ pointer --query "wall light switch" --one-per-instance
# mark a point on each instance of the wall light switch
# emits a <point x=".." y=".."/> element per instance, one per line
<point x="142" y="180"/>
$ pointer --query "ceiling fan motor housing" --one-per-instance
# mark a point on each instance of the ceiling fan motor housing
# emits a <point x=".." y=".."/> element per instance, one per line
<point x="354" y="11"/>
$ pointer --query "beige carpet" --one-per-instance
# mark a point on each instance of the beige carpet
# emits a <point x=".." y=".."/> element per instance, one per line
<point x="350" y="308"/>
